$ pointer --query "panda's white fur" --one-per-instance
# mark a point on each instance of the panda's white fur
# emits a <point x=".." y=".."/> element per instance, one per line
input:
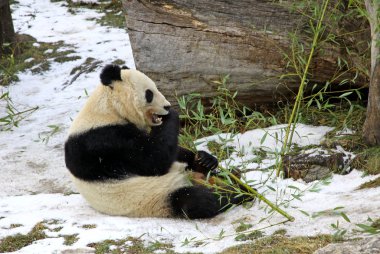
<point x="123" y="155"/>
<point x="137" y="196"/>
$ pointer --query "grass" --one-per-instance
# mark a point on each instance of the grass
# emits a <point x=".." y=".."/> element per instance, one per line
<point x="376" y="224"/>
<point x="368" y="160"/>
<point x="219" y="150"/>
<point x="249" y="236"/>
<point x="18" y="241"/>
<point x="281" y="245"/>
<point x="130" y="245"/>
<point x="16" y="225"/>
<point x="371" y="184"/>
<point x="225" y="115"/>
<point x="280" y="231"/>
<point x="89" y="226"/>
<point x="112" y="10"/>
<point x="34" y="56"/>
<point x="70" y="239"/>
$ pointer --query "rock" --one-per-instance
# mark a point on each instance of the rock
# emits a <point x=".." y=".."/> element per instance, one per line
<point x="311" y="167"/>
<point x="369" y="245"/>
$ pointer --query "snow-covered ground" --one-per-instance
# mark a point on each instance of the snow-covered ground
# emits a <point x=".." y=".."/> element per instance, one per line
<point x="34" y="178"/>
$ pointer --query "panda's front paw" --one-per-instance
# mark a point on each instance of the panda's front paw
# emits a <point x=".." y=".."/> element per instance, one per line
<point x="205" y="162"/>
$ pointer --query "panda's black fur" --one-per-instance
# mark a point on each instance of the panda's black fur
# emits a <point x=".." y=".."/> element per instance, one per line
<point x="113" y="156"/>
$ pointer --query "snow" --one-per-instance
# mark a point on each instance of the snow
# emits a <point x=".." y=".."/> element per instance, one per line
<point x="36" y="187"/>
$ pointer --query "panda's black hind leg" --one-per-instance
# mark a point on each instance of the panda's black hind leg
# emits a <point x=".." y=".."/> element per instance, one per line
<point x="198" y="202"/>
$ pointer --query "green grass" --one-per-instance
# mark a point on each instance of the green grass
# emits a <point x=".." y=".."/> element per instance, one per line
<point x="281" y="231"/>
<point x="31" y="57"/>
<point x="16" y="225"/>
<point x="376" y="224"/>
<point x="368" y="160"/>
<point x="249" y="236"/>
<point x="281" y="245"/>
<point x="130" y="245"/>
<point x="70" y="239"/>
<point x="18" y="241"/>
<point x="112" y="10"/>
<point x="89" y="226"/>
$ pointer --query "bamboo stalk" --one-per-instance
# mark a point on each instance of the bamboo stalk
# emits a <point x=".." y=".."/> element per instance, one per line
<point x="294" y="116"/>
<point x="220" y="184"/>
<point x="261" y="197"/>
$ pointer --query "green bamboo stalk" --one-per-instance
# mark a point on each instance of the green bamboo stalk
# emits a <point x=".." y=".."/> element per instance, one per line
<point x="259" y="196"/>
<point x="294" y="116"/>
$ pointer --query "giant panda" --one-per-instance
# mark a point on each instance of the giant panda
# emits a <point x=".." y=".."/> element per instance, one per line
<point x="123" y="156"/>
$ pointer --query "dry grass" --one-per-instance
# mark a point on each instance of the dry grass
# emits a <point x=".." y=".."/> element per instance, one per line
<point x="281" y="245"/>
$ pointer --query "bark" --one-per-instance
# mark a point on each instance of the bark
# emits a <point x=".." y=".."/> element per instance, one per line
<point x="371" y="128"/>
<point x="188" y="45"/>
<point x="7" y="33"/>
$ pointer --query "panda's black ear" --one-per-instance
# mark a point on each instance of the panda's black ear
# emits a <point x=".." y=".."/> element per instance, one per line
<point x="110" y="73"/>
<point x="125" y="67"/>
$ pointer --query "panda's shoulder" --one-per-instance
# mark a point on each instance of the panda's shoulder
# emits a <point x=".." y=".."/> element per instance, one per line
<point x="111" y="131"/>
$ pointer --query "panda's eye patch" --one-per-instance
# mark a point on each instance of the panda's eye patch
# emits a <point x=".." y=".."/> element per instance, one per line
<point x="149" y="96"/>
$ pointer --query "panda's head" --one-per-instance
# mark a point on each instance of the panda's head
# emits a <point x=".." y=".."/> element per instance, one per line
<point x="134" y="96"/>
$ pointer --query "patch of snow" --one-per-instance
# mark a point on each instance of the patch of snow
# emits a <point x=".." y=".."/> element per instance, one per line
<point x="29" y="60"/>
<point x="48" y="51"/>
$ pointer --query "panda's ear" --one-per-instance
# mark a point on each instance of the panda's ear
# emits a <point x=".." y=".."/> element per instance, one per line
<point x="110" y="73"/>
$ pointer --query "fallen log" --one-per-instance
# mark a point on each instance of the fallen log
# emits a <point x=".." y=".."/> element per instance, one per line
<point x="188" y="45"/>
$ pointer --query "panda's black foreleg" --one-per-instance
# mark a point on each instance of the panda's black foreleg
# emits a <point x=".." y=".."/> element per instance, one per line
<point x="198" y="202"/>
<point x="201" y="162"/>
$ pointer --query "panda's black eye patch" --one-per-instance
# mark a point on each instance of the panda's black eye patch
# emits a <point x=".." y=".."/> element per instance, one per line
<point x="149" y="96"/>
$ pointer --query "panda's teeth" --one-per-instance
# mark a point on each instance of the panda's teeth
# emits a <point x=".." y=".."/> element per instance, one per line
<point x="156" y="119"/>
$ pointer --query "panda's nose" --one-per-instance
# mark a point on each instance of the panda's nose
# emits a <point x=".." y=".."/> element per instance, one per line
<point x="167" y="108"/>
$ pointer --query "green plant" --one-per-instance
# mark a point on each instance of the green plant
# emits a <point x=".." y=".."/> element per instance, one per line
<point x="112" y="10"/>
<point x="70" y="239"/>
<point x="18" y="241"/>
<point x="35" y="58"/>
<point x="302" y="70"/>
<point x="323" y="27"/>
<point x="7" y="69"/>
<point x="12" y="116"/>
<point x="46" y="135"/>
<point x="224" y="115"/>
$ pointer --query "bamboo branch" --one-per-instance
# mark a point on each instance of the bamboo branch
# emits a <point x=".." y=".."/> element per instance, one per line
<point x="294" y="116"/>
<point x="261" y="197"/>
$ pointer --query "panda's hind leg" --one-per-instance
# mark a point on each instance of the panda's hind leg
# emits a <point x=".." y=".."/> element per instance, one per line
<point x="199" y="202"/>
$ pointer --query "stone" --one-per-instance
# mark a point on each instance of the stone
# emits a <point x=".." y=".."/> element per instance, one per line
<point x="370" y="245"/>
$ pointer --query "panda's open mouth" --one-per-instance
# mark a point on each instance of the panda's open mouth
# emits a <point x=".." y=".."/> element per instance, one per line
<point x="157" y="120"/>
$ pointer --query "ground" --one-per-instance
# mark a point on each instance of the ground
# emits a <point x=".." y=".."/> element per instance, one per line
<point x="40" y="211"/>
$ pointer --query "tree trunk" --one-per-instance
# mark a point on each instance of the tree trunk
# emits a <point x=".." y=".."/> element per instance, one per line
<point x="188" y="45"/>
<point x="371" y="128"/>
<point x="7" y="33"/>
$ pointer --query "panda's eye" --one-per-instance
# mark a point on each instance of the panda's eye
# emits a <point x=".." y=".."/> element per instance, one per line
<point x="149" y="96"/>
